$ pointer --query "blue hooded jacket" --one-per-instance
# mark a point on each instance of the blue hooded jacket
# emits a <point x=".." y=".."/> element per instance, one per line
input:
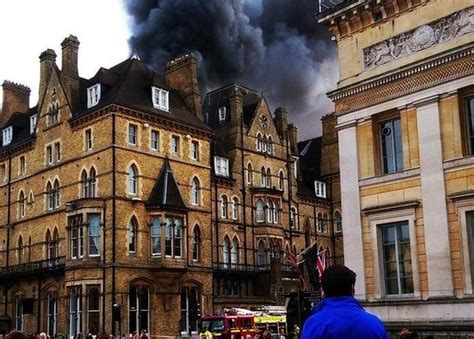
<point x="342" y="317"/>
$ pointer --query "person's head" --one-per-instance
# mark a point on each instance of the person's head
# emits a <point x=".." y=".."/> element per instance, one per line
<point x="338" y="281"/>
<point x="15" y="335"/>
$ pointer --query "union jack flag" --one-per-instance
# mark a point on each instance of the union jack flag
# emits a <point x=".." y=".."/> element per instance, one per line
<point x="321" y="263"/>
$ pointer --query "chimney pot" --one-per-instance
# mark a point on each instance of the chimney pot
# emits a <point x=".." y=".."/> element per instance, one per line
<point x="49" y="54"/>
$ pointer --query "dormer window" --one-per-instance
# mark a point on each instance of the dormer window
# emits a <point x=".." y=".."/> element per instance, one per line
<point x="7" y="136"/>
<point x="33" y="123"/>
<point x="160" y="98"/>
<point x="221" y="166"/>
<point x="320" y="189"/>
<point x="222" y="113"/>
<point x="93" y="95"/>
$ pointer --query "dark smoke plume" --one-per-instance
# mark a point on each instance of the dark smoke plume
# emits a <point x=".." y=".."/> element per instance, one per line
<point x="273" y="46"/>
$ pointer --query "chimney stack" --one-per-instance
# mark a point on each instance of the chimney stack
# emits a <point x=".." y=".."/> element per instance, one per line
<point x="47" y="64"/>
<point x="293" y="137"/>
<point x="16" y="98"/>
<point x="281" y="120"/>
<point x="236" y="105"/>
<point x="69" y="71"/>
<point x="181" y="74"/>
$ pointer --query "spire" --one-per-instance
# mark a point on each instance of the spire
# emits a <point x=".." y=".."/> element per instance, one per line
<point x="165" y="193"/>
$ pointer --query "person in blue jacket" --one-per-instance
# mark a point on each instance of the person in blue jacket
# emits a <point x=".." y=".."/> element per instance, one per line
<point x="339" y="314"/>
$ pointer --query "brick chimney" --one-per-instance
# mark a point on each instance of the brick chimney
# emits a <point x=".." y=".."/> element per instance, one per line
<point x="236" y="105"/>
<point x="69" y="70"/>
<point x="16" y="98"/>
<point x="181" y="74"/>
<point x="281" y="120"/>
<point x="47" y="64"/>
<point x="293" y="137"/>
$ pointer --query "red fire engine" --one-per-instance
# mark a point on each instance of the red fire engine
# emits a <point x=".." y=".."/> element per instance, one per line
<point x="228" y="326"/>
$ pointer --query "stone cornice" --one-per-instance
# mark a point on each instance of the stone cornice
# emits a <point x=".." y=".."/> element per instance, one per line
<point x="428" y="73"/>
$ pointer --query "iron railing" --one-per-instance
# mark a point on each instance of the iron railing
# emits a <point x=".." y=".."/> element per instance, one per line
<point x="33" y="267"/>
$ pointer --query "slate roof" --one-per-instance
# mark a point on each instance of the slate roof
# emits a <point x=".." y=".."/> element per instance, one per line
<point x="220" y="97"/>
<point x="165" y="193"/>
<point x="21" y="128"/>
<point x="310" y="165"/>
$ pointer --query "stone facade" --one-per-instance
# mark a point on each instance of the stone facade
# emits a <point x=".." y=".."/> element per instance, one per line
<point x="111" y="209"/>
<point x="406" y="159"/>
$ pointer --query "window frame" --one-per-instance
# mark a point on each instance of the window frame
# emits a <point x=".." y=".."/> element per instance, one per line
<point x="154" y="140"/>
<point x="384" y="119"/>
<point x="93" y="95"/>
<point x="194" y="150"/>
<point x="160" y="98"/>
<point x="222" y="113"/>
<point x="132" y="134"/>
<point x="175" y="145"/>
<point x="7" y="136"/>
<point x="88" y="139"/>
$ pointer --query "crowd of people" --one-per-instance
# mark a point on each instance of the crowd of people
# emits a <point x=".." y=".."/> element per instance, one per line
<point x="20" y="335"/>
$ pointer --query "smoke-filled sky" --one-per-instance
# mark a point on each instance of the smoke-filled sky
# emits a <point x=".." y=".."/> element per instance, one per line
<point x="272" y="46"/>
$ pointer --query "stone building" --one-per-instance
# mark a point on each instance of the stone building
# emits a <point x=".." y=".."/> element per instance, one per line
<point x="404" y="106"/>
<point x="123" y="207"/>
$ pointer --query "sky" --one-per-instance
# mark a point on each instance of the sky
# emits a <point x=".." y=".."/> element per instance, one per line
<point x="29" y="27"/>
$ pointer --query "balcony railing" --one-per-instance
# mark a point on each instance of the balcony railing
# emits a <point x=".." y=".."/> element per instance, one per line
<point x="234" y="267"/>
<point x="34" y="267"/>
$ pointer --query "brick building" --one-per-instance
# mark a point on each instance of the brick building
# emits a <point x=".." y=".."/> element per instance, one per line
<point x="404" y="108"/>
<point x="123" y="207"/>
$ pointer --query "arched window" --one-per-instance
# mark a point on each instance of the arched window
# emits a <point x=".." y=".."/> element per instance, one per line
<point x="196" y="243"/>
<point x="269" y="178"/>
<point x="20" y="250"/>
<point x="224" y="203"/>
<point x="260" y="211"/>
<point x="195" y="191"/>
<point x="55" y="249"/>
<point x="173" y="237"/>
<point x="132" y="236"/>
<point x="275" y="249"/>
<point x="264" y="144"/>
<point x="249" y="174"/>
<point x="294" y="218"/>
<point x="94" y="235"/>
<point x="49" y="245"/>
<point x="263" y="181"/>
<point x="320" y="222"/>
<point x="325" y="223"/>
<point x="261" y="259"/>
<point x="92" y="183"/>
<point x="29" y="248"/>
<point x="93" y="312"/>
<point x="274" y="212"/>
<point x="234" y="253"/>
<point x="139" y="308"/>
<point x="226" y="252"/>
<point x="337" y="222"/>
<point x="281" y="181"/>
<point x="132" y="180"/>
<point x="21" y="205"/>
<point x="270" y="145"/>
<point x="259" y="142"/>
<point x="85" y="184"/>
<point x="56" y="194"/>
<point x="155" y="236"/>
<point x="235" y="208"/>
<point x="49" y="196"/>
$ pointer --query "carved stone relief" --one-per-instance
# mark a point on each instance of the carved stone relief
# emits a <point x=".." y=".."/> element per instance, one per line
<point x="442" y="30"/>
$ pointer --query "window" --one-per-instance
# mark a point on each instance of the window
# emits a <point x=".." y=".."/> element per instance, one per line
<point x="222" y="113"/>
<point x="94" y="235"/>
<point x="264" y="144"/>
<point x="235" y="208"/>
<point x="270" y="145"/>
<point x="52" y="243"/>
<point x="88" y="139"/>
<point x="132" y="180"/>
<point x="56" y="194"/>
<point x="21" y="205"/>
<point x="52" y="195"/>
<point x="189" y="310"/>
<point x="93" y="310"/>
<point x="470" y="241"/>
<point x="22" y="165"/>
<point x="195" y="192"/>
<point x="337" y="222"/>
<point x="396" y="258"/>
<point x="132" y="134"/>
<point x="155" y="236"/>
<point x="249" y="174"/>
<point x="259" y="142"/>
<point x="194" y="150"/>
<point x="224" y="202"/>
<point x="263" y="177"/>
<point x="175" y="145"/>
<point x="52" y="311"/>
<point x="18" y="313"/>
<point x="260" y="213"/>
<point x="75" y="312"/>
<point x="391" y="146"/>
<point x="139" y="308"/>
<point x="7" y="136"/>
<point x="261" y="256"/>
<point x="268" y="178"/>
<point x="77" y="236"/>
<point x="3" y="173"/>
<point x="132" y="236"/>
<point x="53" y="113"/>
<point x="49" y="155"/>
<point x="173" y="237"/>
<point x="33" y="119"/>
<point x="320" y="189"/>
<point x="469" y="121"/>
<point x="196" y="243"/>
<point x="85" y="184"/>
<point x="273" y="213"/>
<point x="294" y="218"/>
<point x="234" y="253"/>
<point x="226" y="252"/>
<point x="20" y="250"/>
<point x="221" y="166"/>
<point x="325" y="223"/>
<point x="281" y="181"/>
<point x="160" y="98"/>
<point x="294" y="163"/>
<point x="57" y="151"/>
<point x="93" y="95"/>
<point x="319" y="223"/>
<point x="154" y="140"/>
<point x="92" y="183"/>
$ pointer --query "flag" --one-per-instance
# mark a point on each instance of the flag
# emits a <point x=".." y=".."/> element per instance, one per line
<point x="293" y="259"/>
<point x="310" y="272"/>
<point x="321" y="263"/>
